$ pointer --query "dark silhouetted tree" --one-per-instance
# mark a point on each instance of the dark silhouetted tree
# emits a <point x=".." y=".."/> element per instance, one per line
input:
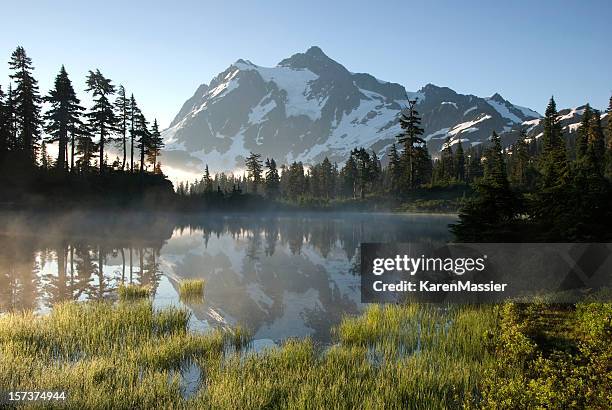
<point x="410" y="138"/>
<point x="102" y="117"/>
<point x="254" y="170"/>
<point x="155" y="145"/>
<point x="63" y="118"/>
<point x="492" y="214"/>
<point x="25" y="101"/>
<point x="122" y="109"/>
<point x="272" y="179"/>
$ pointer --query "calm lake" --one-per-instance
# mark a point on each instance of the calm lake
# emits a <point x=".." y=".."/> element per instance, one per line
<point x="279" y="276"/>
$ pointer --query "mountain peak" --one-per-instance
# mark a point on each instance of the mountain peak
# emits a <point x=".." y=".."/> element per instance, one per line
<point x="497" y="97"/>
<point x="315" y="51"/>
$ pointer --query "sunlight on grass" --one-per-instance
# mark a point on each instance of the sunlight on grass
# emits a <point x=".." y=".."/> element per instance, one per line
<point x="191" y="290"/>
<point x="133" y="292"/>
<point x="129" y="355"/>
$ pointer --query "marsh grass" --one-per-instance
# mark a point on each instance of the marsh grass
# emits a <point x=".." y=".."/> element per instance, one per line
<point x="192" y="290"/>
<point x="130" y="355"/>
<point x="133" y="292"/>
<point x="104" y="355"/>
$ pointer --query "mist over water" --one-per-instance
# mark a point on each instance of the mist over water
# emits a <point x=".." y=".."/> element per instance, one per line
<point x="279" y="275"/>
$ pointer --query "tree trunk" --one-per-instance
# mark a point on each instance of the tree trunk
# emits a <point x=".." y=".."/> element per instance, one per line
<point x="132" y="152"/>
<point x="101" y="149"/>
<point x="72" y="152"/>
<point x="124" y="148"/>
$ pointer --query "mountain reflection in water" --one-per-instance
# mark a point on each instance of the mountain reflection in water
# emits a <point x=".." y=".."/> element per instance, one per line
<point x="279" y="276"/>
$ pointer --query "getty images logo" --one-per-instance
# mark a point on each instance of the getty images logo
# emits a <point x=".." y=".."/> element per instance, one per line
<point x="410" y="265"/>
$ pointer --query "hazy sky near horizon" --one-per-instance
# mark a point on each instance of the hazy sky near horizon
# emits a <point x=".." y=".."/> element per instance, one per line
<point x="161" y="50"/>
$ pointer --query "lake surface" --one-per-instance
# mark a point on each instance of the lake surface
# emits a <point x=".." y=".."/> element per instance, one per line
<point x="280" y="276"/>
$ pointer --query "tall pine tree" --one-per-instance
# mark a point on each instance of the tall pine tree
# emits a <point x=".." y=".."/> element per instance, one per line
<point x="156" y="143"/>
<point x="63" y="117"/>
<point x="122" y="108"/>
<point x="553" y="161"/>
<point x="254" y="170"/>
<point x="272" y="179"/>
<point x="5" y="136"/>
<point x="102" y="115"/>
<point x="26" y="102"/>
<point x="410" y="122"/>
<point x="459" y="162"/>
<point x="520" y="160"/>
<point x="582" y="136"/>
<point x="134" y="114"/>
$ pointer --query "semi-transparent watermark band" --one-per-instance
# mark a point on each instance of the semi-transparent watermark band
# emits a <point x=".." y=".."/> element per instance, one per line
<point x="486" y="272"/>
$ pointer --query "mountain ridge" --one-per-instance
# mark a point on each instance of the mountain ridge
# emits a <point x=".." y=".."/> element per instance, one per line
<point x="309" y="106"/>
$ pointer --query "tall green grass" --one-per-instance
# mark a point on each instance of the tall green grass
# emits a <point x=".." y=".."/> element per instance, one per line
<point x="104" y="355"/>
<point x="133" y="292"/>
<point x="413" y="356"/>
<point x="130" y="355"/>
<point x="191" y="290"/>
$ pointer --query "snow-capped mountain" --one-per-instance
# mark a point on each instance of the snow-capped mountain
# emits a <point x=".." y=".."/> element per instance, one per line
<point x="569" y="118"/>
<point x="309" y="107"/>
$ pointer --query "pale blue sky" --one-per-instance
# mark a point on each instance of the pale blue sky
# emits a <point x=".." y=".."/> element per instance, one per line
<point x="161" y="51"/>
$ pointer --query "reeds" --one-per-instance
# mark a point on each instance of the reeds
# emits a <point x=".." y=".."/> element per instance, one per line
<point x="130" y="355"/>
<point x="133" y="292"/>
<point x="191" y="290"/>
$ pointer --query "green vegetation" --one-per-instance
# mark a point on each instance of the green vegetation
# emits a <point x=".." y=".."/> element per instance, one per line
<point x="191" y="290"/>
<point x="551" y="356"/>
<point x="130" y="355"/>
<point x="551" y="190"/>
<point x="133" y="292"/>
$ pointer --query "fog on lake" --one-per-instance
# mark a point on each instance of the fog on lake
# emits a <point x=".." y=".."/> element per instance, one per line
<point x="279" y="276"/>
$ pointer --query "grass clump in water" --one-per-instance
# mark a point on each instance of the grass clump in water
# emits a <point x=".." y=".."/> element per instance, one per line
<point x="104" y="355"/>
<point x="191" y="290"/>
<point x="133" y="292"/>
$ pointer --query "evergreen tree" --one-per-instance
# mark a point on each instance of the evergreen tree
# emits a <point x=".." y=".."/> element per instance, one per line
<point x="122" y="109"/>
<point x="349" y="175"/>
<point x="553" y="161"/>
<point x="395" y="169"/>
<point x="155" y="145"/>
<point x="63" y="117"/>
<point x="13" y="143"/>
<point x="45" y="160"/>
<point x="272" y="179"/>
<point x="459" y="162"/>
<point x="520" y="160"/>
<point x="410" y="122"/>
<point x="208" y="182"/>
<point x="447" y="171"/>
<point x="102" y="115"/>
<point x="551" y="197"/>
<point x="596" y="142"/>
<point x="492" y="215"/>
<point x="254" y="170"/>
<point x="134" y="114"/>
<point x="582" y="135"/>
<point x="375" y="174"/>
<point x="85" y="148"/>
<point x="328" y="179"/>
<point x="5" y="136"/>
<point x="143" y="136"/>
<point x="474" y="168"/>
<point x="296" y="180"/>
<point x="26" y="104"/>
<point x="364" y="170"/>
